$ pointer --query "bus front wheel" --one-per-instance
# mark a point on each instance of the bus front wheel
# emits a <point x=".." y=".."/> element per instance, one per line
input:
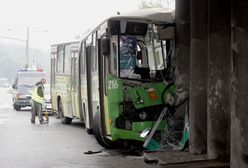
<point x="97" y="129"/>
<point x="64" y="119"/>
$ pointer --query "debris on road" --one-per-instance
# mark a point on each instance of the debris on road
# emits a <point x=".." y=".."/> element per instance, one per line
<point x="92" y="152"/>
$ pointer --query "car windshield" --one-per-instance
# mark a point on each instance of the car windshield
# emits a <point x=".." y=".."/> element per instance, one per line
<point x="30" y="79"/>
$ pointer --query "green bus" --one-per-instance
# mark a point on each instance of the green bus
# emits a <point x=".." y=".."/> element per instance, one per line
<point x="118" y="77"/>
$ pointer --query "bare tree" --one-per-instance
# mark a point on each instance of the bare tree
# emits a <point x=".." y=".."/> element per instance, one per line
<point x="150" y="4"/>
<point x="155" y="4"/>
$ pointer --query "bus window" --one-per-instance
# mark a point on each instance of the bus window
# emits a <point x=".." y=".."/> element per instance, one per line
<point x="76" y="68"/>
<point x="90" y="52"/>
<point x="155" y="51"/>
<point x="60" y="60"/>
<point x="165" y="52"/>
<point x="102" y="29"/>
<point x="53" y="68"/>
<point x="94" y="53"/>
<point x="96" y="50"/>
<point x="82" y="57"/>
<point x="114" y="51"/>
<point x="67" y="68"/>
<point x="158" y="55"/>
<point x="142" y="55"/>
<point x="127" y="55"/>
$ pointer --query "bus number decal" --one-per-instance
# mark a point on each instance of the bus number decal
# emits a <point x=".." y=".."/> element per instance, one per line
<point x="113" y="84"/>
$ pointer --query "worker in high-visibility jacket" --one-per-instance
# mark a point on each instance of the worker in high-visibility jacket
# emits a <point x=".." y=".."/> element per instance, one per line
<point x="38" y="101"/>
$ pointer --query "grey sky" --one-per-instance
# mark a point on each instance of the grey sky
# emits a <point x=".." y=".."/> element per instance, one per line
<point x="63" y="19"/>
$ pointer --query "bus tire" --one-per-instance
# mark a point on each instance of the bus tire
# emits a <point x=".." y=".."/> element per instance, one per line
<point x="64" y="120"/>
<point x="89" y="131"/>
<point x="97" y="129"/>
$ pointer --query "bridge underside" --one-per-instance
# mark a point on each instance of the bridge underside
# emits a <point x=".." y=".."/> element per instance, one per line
<point x="212" y="59"/>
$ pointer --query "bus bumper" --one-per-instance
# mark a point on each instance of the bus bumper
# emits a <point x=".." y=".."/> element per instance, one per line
<point x="134" y="134"/>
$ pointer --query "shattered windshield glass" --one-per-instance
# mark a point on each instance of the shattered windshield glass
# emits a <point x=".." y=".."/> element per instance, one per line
<point x="141" y="56"/>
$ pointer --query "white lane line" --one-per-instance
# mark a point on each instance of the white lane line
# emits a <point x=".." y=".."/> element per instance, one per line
<point x="3" y="120"/>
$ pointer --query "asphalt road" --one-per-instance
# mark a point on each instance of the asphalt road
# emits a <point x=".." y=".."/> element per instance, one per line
<point x="26" y="145"/>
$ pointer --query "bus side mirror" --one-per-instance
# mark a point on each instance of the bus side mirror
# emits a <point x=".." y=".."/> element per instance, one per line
<point x="105" y="46"/>
<point x="14" y="86"/>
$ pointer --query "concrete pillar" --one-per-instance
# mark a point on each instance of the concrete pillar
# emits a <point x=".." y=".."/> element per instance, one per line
<point x="198" y="76"/>
<point x="219" y="87"/>
<point x="239" y="119"/>
<point x="182" y="56"/>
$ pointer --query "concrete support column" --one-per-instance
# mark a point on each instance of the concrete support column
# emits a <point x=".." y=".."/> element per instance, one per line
<point x="219" y="87"/>
<point x="239" y="119"/>
<point x="198" y="76"/>
<point x="182" y="57"/>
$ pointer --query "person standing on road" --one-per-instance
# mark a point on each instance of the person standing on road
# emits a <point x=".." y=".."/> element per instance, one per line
<point x="38" y="101"/>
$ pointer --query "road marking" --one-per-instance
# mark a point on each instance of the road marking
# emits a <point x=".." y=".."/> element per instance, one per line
<point x="4" y="117"/>
<point x="3" y="120"/>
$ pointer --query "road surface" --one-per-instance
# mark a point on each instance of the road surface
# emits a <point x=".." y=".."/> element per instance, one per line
<point x="26" y="145"/>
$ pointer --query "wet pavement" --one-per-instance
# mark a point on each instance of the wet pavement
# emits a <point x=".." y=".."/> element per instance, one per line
<point x="26" y="145"/>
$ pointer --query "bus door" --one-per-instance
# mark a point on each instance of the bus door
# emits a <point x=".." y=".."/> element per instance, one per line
<point x="83" y="98"/>
<point x="52" y="80"/>
<point x="94" y="75"/>
<point x="75" y="85"/>
<point x="89" y="84"/>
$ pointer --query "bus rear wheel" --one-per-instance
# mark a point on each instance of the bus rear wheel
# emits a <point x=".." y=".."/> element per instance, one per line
<point x="97" y="129"/>
<point x="64" y="119"/>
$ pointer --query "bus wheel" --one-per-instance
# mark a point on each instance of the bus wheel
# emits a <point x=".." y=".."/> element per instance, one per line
<point x="97" y="129"/>
<point x="65" y="120"/>
<point x="89" y="131"/>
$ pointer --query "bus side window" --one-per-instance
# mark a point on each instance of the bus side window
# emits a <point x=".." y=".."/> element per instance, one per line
<point x="67" y="60"/>
<point x="60" y="60"/>
<point x="82" y="58"/>
<point x="114" y="55"/>
<point x="106" y="71"/>
<point x="94" y="52"/>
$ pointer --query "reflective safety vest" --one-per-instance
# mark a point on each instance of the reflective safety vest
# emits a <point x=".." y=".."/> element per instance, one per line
<point x="36" y="97"/>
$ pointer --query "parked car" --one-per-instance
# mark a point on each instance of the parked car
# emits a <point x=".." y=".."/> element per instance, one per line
<point x="23" y="87"/>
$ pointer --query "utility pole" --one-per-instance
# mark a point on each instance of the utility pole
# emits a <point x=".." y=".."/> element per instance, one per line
<point x="28" y="63"/>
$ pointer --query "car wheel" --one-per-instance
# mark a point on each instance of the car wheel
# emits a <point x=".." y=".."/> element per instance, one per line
<point x="17" y="107"/>
<point x="64" y="120"/>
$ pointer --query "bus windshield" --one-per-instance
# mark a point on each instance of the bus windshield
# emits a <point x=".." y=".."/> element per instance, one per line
<point x="139" y="56"/>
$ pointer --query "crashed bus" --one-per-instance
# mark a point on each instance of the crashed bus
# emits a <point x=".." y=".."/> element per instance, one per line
<point x="120" y="78"/>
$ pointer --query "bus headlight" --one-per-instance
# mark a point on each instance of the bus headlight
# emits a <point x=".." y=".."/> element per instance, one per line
<point x="143" y="115"/>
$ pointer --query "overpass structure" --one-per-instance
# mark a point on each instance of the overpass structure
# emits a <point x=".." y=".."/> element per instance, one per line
<point x="212" y="67"/>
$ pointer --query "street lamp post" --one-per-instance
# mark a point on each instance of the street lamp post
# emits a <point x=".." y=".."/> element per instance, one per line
<point x="28" y="65"/>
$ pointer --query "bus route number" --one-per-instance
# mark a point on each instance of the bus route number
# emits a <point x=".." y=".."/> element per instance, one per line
<point x="113" y="84"/>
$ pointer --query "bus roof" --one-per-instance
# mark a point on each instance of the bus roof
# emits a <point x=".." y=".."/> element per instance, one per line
<point x="154" y="15"/>
<point x="74" y="46"/>
<point x="151" y="14"/>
